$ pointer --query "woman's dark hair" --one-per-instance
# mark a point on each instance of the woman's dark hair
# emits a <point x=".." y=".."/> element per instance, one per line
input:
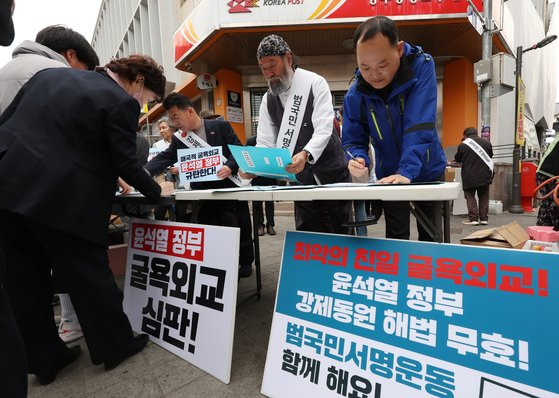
<point x="381" y="24"/>
<point x="60" y="39"/>
<point x="175" y="99"/>
<point x="135" y="65"/>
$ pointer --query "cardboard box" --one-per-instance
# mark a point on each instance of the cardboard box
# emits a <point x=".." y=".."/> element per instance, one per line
<point x="506" y="236"/>
<point x="449" y="174"/>
<point x="117" y="258"/>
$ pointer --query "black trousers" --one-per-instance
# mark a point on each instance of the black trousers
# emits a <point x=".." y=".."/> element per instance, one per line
<point x="13" y="364"/>
<point x="32" y="251"/>
<point x="475" y="212"/>
<point x="323" y="216"/>
<point x="258" y="214"/>
<point x="230" y="213"/>
<point x="397" y="216"/>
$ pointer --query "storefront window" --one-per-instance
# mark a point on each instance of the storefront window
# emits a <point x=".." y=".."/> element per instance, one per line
<point x="256" y="95"/>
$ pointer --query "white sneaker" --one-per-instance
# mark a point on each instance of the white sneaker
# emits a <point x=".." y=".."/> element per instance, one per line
<point x="483" y="222"/>
<point x="470" y="222"/>
<point x="69" y="331"/>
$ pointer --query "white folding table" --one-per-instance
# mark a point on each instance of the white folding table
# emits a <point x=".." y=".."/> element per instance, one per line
<point x="442" y="193"/>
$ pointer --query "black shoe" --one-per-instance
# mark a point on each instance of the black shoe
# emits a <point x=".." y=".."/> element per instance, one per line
<point x="245" y="271"/>
<point x="69" y="356"/>
<point x="137" y="345"/>
<point x="270" y="230"/>
<point x="261" y="230"/>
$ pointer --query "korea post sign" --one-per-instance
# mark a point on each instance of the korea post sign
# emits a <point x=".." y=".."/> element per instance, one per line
<point x="362" y="317"/>
<point x="181" y="289"/>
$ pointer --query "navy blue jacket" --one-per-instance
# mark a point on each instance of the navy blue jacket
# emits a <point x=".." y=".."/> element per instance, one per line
<point x="402" y="128"/>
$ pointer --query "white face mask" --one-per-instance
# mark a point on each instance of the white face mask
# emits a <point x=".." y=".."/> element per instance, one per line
<point x="137" y="96"/>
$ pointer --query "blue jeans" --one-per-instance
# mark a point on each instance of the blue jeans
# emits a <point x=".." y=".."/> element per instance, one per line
<point x="360" y="215"/>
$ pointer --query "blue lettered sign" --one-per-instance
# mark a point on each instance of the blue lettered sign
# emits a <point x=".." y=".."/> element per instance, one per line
<point x="389" y="318"/>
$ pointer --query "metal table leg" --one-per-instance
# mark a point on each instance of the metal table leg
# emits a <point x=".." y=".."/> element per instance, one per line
<point x="256" y="241"/>
<point x="446" y="220"/>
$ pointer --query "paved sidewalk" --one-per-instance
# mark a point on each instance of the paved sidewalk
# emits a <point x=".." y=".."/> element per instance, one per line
<point x="157" y="373"/>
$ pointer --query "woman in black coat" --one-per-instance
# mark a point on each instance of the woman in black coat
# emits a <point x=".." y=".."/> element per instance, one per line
<point x="64" y="140"/>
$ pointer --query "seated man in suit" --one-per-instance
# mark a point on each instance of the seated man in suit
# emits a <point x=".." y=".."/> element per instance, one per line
<point x="194" y="132"/>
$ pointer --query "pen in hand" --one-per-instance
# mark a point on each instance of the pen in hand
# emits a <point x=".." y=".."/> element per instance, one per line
<point x="351" y="156"/>
<point x="354" y="158"/>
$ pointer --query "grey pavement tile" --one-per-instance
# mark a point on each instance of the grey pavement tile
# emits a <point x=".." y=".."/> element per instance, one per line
<point x="246" y="374"/>
<point x="97" y="378"/>
<point x="63" y="386"/>
<point x="140" y="384"/>
<point x="248" y="358"/>
<point x="203" y="387"/>
<point x="175" y="373"/>
<point x="155" y="355"/>
<point x="256" y="323"/>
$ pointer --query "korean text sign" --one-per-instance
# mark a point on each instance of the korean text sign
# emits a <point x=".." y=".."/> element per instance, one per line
<point x="199" y="164"/>
<point x="264" y="162"/>
<point x="181" y="289"/>
<point x="388" y="318"/>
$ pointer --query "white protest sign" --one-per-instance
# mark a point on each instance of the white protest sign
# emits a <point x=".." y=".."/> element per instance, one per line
<point x="181" y="289"/>
<point x="199" y="164"/>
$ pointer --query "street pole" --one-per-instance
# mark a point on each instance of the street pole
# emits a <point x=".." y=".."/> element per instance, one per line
<point x="515" y="205"/>
<point x="487" y="52"/>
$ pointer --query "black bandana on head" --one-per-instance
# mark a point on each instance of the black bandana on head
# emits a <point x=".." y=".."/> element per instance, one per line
<point x="272" y="45"/>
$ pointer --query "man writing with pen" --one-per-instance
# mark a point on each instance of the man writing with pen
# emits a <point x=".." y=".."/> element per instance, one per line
<point x="393" y="102"/>
<point x="296" y="113"/>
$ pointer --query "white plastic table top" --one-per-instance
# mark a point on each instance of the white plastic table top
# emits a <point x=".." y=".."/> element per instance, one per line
<point x="388" y="192"/>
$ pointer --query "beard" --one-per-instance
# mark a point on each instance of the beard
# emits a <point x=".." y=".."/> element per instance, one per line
<point x="281" y="84"/>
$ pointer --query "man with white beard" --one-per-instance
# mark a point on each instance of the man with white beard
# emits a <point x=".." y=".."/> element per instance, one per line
<point x="297" y="113"/>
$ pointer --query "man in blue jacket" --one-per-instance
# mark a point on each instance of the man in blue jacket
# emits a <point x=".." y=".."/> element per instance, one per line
<point x="393" y="102"/>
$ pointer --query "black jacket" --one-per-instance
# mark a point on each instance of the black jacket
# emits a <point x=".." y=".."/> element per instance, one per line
<point x="64" y="140"/>
<point x="475" y="172"/>
<point x="549" y="164"/>
<point x="331" y="167"/>
<point x="218" y="133"/>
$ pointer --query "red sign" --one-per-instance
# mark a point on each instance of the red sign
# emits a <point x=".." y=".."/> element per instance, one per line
<point x="241" y="6"/>
<point x="198" y="164"/>
<point x="369" y="8"/>
<point x="187" y="242"/>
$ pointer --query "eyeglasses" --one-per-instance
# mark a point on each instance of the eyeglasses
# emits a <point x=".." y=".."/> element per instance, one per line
<point x="154" y="101"/>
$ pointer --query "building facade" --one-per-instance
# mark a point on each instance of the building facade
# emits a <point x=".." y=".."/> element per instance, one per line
<point x="214" y="42"/>
<point x="126" y="27"/>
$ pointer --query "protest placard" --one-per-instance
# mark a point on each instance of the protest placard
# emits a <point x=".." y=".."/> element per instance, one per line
<point x="199" y="164"/>
<point x="181" y="289"/>
<point x="384" y="318"/>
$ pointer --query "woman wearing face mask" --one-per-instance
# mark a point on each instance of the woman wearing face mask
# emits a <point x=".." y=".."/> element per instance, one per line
<point x="64" y="140"/>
